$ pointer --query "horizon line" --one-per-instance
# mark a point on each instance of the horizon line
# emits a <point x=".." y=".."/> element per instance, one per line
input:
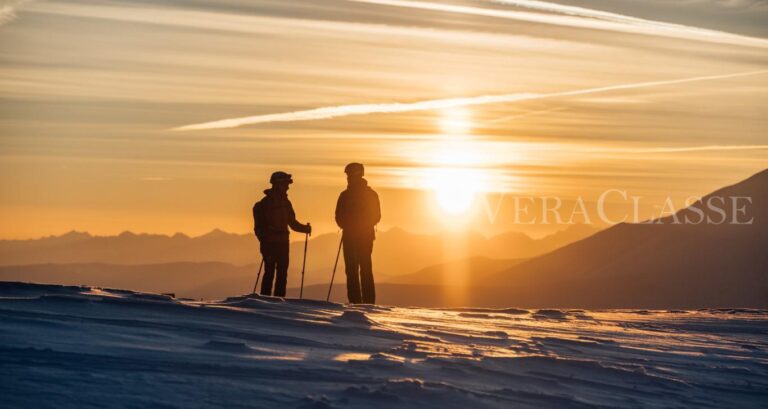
<point x="219" y="230"/>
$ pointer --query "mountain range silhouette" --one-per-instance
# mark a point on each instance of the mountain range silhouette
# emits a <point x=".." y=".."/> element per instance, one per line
<point x="656" y="264"/>
<point x="220" y="264"/>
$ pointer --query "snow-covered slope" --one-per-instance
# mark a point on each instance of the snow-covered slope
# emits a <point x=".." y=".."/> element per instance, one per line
<point x="90" y="347"/>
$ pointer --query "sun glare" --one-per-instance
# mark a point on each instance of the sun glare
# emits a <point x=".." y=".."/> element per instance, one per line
<point x="455" y="178"/>
<point x="454" y="189"/>
<point x="455" y="121"/>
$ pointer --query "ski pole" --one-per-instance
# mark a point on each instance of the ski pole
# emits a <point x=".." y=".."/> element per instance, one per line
<point x="303" y="265"/>
<point x="334" y="269"/>
<point x="258" y="275"/>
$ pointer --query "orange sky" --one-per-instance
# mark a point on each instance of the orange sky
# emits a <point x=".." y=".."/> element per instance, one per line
<point x="451" y="105"/>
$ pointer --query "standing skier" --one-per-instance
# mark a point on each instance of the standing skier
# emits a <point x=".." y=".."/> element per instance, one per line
<point x="357" y="212"/>
<point x="272" y="216"/>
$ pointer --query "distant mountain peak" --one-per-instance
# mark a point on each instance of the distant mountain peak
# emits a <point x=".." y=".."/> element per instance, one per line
<point x="215" y="233"/>
<point x="70" y="236"/>
<point x="681" y="261"/>
<point x="762" y="174"/>
<point x="746" y="199"/>
<point x="76" y="234"/>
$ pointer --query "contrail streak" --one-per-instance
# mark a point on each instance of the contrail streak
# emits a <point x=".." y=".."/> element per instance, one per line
<point x="365" y="109"/>
<point x="579" y="17"/>
<point x="705" y="148"/>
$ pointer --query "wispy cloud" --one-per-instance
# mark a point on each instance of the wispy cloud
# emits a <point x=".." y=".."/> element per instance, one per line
<point x="8" y="10"/>
<point x="752" y="5"/>
<point x="525" y="115"/>
<point x="365" y="109"/>
<point x="580" y="17"/>
<point x="270" y="25"/>
<point x="682" y="149"/>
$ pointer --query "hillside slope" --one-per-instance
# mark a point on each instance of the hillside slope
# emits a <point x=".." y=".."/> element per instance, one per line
<point x="656" y="265"/>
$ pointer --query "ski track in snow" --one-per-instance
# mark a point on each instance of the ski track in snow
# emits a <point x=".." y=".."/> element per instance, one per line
<point x="64" y="346"/>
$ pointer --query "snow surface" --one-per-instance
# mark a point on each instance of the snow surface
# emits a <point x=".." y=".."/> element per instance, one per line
<point x="64" y="346"/>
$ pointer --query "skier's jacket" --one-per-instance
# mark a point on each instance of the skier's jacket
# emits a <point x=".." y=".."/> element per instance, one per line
<point x="272" y="216"/>
<point x="358" y="211"/>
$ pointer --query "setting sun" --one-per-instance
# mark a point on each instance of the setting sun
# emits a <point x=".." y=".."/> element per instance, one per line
<point x="455" y="121"/>
<point x="454" y="189"/>
<point x="453" y="179"/>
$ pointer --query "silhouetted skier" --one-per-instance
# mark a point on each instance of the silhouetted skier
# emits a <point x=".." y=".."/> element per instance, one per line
<point x="357" y="212"/>
<point x="272" y="216"/>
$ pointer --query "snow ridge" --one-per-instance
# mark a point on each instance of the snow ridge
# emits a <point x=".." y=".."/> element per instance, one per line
<point x="70" y="346"/>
